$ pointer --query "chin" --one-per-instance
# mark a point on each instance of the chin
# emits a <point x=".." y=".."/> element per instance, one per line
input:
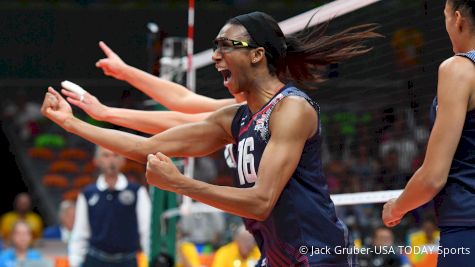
<point x="233" y="90"/>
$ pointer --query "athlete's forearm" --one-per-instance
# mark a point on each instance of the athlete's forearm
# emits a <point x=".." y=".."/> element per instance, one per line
<point x="152" y="122"/>
<point x="244" y="202"/>
<point x="128" y="145"/>
<point x="172" y="95"/>
<point x="420" y="189"/>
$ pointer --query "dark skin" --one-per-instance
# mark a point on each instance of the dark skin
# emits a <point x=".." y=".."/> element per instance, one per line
<point x="292" y="122"/>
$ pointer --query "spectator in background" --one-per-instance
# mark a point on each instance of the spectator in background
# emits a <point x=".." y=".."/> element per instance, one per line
<point x="427" y="235"/>
<point x="391" y="176"/>
<point x="428" y="238"/>
<point x="241" y="252"/>
<point x="22" y="211"/>
<point x="205" y="230"/>
<point x="397" y="139"/>
<point x="382" y="240"/>
<point x="20" y="253"/>
<point x="62" y="231"/>
<point x="363" y="165"/>
<point x="112" y="221"/>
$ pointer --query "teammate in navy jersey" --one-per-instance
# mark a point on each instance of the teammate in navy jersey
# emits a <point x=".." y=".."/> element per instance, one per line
<point x="280" y="189"/>
<point x="447" y="174"/>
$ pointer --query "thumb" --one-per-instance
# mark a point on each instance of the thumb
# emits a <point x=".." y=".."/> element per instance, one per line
<point x="101" y="63"/>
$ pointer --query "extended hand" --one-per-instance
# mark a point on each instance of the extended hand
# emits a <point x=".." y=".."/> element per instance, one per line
<point x="90" y="104"/>
<point x="162" y="173"/>
<point x="390" y="217"/>
<point x="56" y="108"/>
<point x="112" y="65"/>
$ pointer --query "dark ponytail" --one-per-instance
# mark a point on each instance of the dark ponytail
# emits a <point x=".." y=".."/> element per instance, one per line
<point x="299" y="57"/>
<point x="310" y="49"/>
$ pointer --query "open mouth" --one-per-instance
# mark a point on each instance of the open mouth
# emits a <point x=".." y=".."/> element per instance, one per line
<point x="226" y="75"/>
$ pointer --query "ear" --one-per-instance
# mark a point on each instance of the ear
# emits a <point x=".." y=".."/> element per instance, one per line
<point x="459" y="20"/>
<point x="257" y="54"/>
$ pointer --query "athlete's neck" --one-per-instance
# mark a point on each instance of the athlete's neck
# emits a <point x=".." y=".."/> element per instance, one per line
<point x="262" y="91"/>
<point x="469" y="45"/>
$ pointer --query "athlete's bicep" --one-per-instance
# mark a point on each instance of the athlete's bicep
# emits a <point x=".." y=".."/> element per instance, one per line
<point x="453" y="95"/>
<point x="291" y="125"/>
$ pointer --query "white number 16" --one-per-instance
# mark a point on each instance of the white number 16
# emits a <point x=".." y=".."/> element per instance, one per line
<point x="246" y="169"/>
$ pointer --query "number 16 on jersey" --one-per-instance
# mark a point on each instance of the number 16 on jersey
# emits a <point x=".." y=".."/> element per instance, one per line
<point x="245" y="166"/>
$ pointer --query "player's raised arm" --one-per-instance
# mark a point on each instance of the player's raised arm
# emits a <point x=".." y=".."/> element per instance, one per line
<point x="152" y="122"/>
<point x="172" y="95"/>
<point x="195" y="139"/>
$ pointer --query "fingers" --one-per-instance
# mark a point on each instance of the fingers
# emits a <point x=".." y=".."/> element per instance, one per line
<point x="75" y="102"/>
<point x="69" y="94"/>
<point x="392" y="223"/>
<point x="162" y="157"/>
<point x="55" y="93"/>
<point x="106" y="49"/>
<point x="52" y="91"/>
<point x="51" y="100"/>
<point x="152" y="160"/>
<point x="100" y="63"/>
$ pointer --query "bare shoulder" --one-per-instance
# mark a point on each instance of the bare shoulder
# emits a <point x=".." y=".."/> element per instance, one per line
<point x="457" y="81"/>
<point x="295" y="104"/>
<point x="295" y="112"/>
<point x="458" y="68"/>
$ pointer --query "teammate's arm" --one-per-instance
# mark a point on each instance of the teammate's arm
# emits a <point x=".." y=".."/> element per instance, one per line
<point x="453" y="95"/>
<point x="290" y="129"/>
<point x="151" y="122"/>
<point x="172" y="95"/>
<point x="196" y="139"/>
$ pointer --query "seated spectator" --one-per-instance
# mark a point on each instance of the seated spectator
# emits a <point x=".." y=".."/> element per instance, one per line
<point x="205" y="230"/>
<point x="22" y="211"/>
<point x="20" y="253"/>
<point x="242" y="251"/>
<point x="383" y="240"/>
<point x="62" y="231"/>
<point x="187" y="255"/>
<point x="186" y="252"/>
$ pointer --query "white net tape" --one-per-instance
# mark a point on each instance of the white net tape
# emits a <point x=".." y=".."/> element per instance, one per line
<point x="338" y="200"/>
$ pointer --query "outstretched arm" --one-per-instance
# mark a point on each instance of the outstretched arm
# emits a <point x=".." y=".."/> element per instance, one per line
<point x="172" y="95"/>
<point x="195" y="139"/>
<point x="152" y="122"/>
<point x="453" y="98"/>
<point x="290" y="129"/>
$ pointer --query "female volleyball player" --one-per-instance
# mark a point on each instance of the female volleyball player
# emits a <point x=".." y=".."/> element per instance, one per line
<point x="448" y="171"/>
<point x="280" y="191"/>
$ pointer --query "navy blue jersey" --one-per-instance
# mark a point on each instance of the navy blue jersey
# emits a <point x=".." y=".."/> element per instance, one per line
<point x="455" y="203"/>
<point x="304" y="214"/>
